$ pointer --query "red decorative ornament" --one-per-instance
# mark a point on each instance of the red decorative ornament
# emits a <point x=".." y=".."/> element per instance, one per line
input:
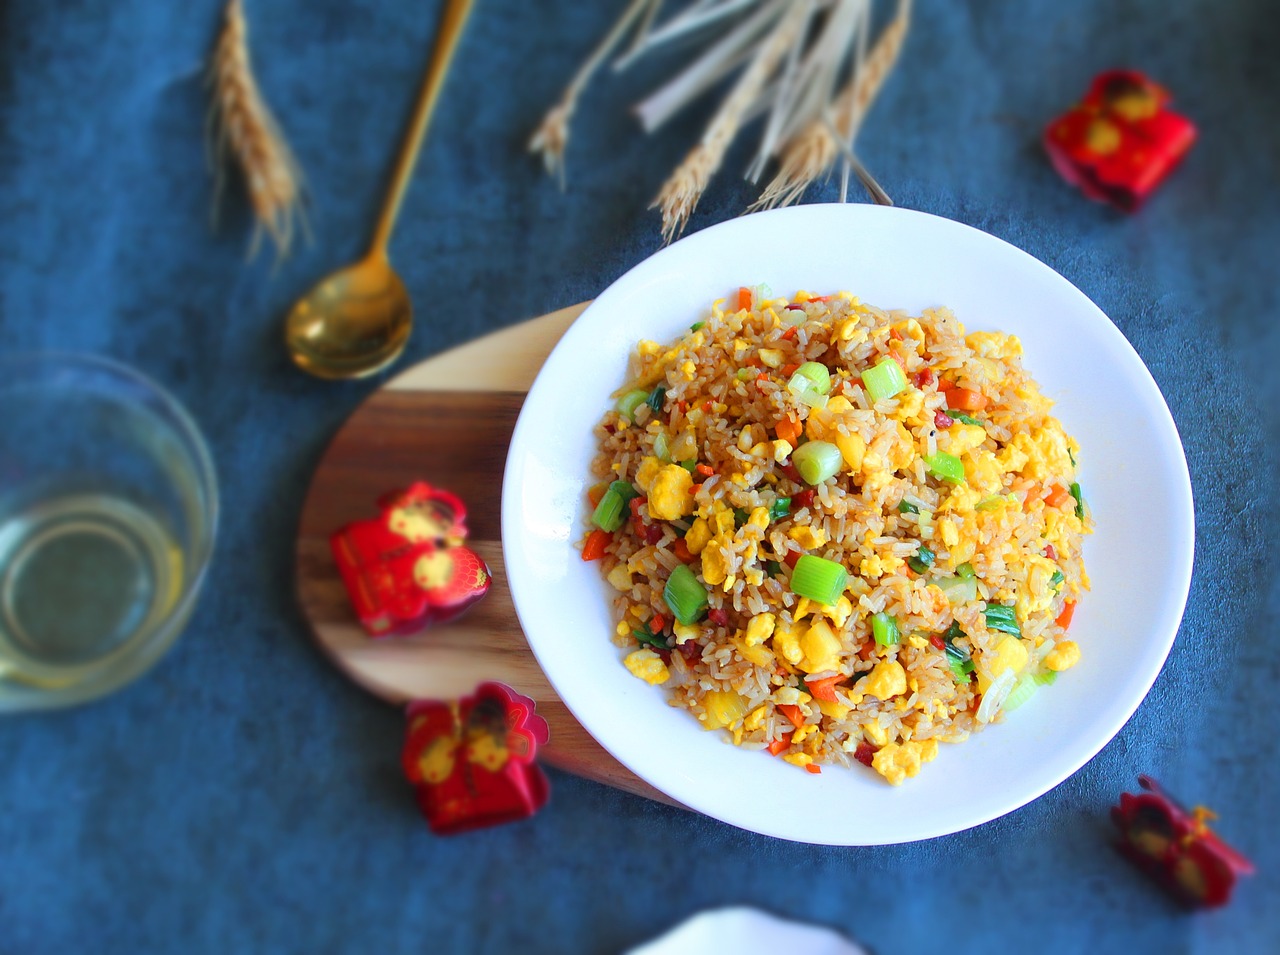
<point x="407" y="569"/>
<point x="1120" y="142"/>
<point x="472" y="760"/>
<point x="1177" y="848"/>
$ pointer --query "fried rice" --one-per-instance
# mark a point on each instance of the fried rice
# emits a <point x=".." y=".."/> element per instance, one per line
<point x="939" y="493"/>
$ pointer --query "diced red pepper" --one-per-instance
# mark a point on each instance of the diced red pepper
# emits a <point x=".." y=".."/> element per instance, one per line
<point x="790" y="333"/>
<point x="658" y="623"/>
<point x="779" y="745"/>
<point x="761" y="377"/>
<point x="744" y="297"/>
<point x="691" y="650"/>
<point x="813" y="768"/>
<point x="792" y="713"/>
<point x="790" y="470"/>
<point x="1068" y="611"/>
<point x="789" y="370"/>
<point x="681" y="550"/>
<point x="937" y="642"/>
<point x="1050" y="552"/>
<point x="596" y="542"/>
<point x="825" y="689"/>
<point x="706" y="407"/>
<point x="705" y="470"/>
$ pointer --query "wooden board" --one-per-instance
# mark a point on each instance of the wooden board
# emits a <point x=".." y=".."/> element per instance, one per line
<point x="447" y="421"/>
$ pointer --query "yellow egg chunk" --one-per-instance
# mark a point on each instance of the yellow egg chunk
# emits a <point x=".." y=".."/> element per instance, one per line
<point x="715" y="563"/>
<point x="887" y="679"/>
<point x="648" y="470"/>
<point x="648" y="666"/>
<point x="833" y="709"/>
<point x="897" y="762"/>
<point x="1063" y="656"/>
<point x="786" y="640"/>
<point x="698" y="536"/>
<point x="671" y="496"/>
<point x="1011" y="654"/>
<point x="759" y="629"/>
<point x="821" y="648"/>
<point x="810" y="538"/>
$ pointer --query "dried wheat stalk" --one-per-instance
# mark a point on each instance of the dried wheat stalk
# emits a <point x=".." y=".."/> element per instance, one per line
<point x="552" y="135"/>
<point x="815" y="148"/>
<point x="243" y="130"/>
<point x="680" y="194"/>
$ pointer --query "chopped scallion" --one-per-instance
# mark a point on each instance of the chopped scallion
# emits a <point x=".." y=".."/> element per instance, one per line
<point x="884" y="380"/>
<point x="1022" y="691"/>
<point x="884" y="628"/>
<point x="779" y="508"/>
<point x="625" y="490"/>
<point x="690" y="465"/>
<point x="647" y="638"/>
<point x="1056" y="580"/>
<point x="906" y="507"/>
<point x="629" y="402"/>
<point x="817" y="375"/>
<point x="1075" y="492"/>
<point x="685" y="595"/>
<point x="656" y="398"/>
<point x="816" y="461"/>
<point x="921" y="560"/>
<point x="1003" y="617"/>
<point x="696" y="325"/>
<point x="965" y="570"/>
<point x="818" y="579"/>
<point x="608" y="513"/>
<point x="1047" y="677"/>
<point x="945" y="467"/>
<point x="958" y="590"/>
<point x="772" y="568"/>
<point x="962" y="417"/>
<point x="960" y="669"/>
<point x="740" y="516"/>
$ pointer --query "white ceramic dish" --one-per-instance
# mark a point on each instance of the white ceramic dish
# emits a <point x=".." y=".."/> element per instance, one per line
<point x="1133" y="472"/>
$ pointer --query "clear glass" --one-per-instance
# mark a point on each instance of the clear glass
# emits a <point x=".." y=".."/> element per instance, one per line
<point x="108" y="510"/>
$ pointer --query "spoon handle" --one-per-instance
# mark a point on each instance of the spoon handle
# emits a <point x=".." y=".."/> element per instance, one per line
<point x="452" y="22"/>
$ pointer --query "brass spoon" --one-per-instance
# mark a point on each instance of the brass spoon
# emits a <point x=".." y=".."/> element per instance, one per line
<point x="357" y="321"/>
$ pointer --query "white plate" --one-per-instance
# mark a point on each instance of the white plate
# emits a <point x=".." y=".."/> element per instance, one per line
<point x="1133" y="473"/>
<point x="747" y="931"/>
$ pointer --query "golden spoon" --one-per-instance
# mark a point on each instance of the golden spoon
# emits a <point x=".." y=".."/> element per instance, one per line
<point x="357" y="321"/>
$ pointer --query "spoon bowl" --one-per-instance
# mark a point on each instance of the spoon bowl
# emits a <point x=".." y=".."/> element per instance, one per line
<point x="352" y="324"/>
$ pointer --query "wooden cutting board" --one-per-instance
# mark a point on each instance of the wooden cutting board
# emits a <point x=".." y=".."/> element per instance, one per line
<point x="447" y="421"/>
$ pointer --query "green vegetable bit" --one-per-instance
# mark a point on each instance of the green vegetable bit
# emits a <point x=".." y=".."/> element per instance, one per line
<point x="696" y="325"/>
<point x="884" y="628"/>
<point x="608" y="513"/>
<point x="958" y="590"/>
<point x="959" y="670"/>
<point x="1056" y="580"/>
<point x="811" y="376"/>
<point x="818" y="579"/>
<point x="884" y="380"/>
<point x="1022" y="691"/>
<point x="962" y="417"/>
<point x="689" y="465"/>
<point x="959" y="660"/>
<point x="945" y="467"/>
<point x="906" y="507"/>
<point x="745" y="374"/>
<point x="740" y="516"/>
<point x="779" y="508"/>
<point x="1075" y="492"/>
<point x="624" y="490"/>
<point x="816" y="461"/>
<point x="656" y="398"/>
<point x="965" y="571"/>
<point x="647" y="638"/>
<point x="685" y="595"/>
<point x="1047" y="677"/>
<point x="772" y="568"/>
<point x="629" y="402"/>
<point x="922" y="560"/>
<point x="1002" y="617"/>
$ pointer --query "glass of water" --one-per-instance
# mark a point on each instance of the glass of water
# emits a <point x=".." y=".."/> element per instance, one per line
<point x="108" y="507"/>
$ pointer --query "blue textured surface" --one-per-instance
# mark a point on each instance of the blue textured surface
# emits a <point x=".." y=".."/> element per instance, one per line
<point x="245" y="797"/>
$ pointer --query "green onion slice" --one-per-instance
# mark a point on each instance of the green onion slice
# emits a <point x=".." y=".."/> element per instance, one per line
<point x="906" y="507"/>
<point x="779" y="508"/>
<point x="1047" y="677"/>
<point x="816" y="461"/>
<point x="647" y="638"/>
<point x="656" y="398"/>
<point x="959" y="590"/>
<point x="818" y="579"/>
<point x="1003" y="617"/>
<point x="817" y="375"/>
<point x="1056" y="580"/>
<point x="624" y="490"/>
<point x="921" y="560"/>
<point x="884" y="628"/>
<point x="1075" y="492"/>
<point x="945" y="467"/>
<point x="608" y="513"/>
<point x="629" y="402"/>
<point x="685" y="595"/>
<point x="884" y="380"/>
<point x="962" y="417"/>
<point x="1022" y="691"/>
<point x="965" y="570"/>
<point x="696" y="325"/>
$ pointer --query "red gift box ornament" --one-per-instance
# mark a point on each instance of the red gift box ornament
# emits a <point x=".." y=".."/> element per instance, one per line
<point x="1177" y="848"/>
<point x="1121" y="140"/>
<point x="472" y="761"/>
<point x="407" y="568"/>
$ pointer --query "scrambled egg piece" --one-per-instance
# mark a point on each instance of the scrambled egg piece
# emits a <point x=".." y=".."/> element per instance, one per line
<point x="1011" y="654"/>
<point x="899" y="761"/>
<point x="1047" y="452"/>
<point x="648" y="470"/>
<point x="754" y="719"/>
<point x="983" y="471"/>
<point x="886" y="679"/>
<point x="715" y="562"/>
<point x="722" y="520"/>
<point x="833" y="709"/>
<point x="1063" y="656"/>
<point x="810" y="538"/>
<point x="786" y="641"/>
<point x="880" y="565"/>
<point x="821" y="648"/>
<point x="648" y="666"/>
<point x="781" y="450"/>
<point x="994" y="345"/>
<point x="798" y="759"/>
<point x="876" y="733"/>
<point x="759" y="518"/>
<point x="671" y="495"/>
<point x="965" y="437"/>
<point x="759" y="629"/>
<point x="1039" y="571"/>
<point x="684" y="632"/>
<point x="698" y="536"/>
<point x="822" y="421"/>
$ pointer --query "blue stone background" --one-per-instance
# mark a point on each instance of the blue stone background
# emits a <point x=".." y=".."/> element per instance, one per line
<point x="244" y="797"/>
